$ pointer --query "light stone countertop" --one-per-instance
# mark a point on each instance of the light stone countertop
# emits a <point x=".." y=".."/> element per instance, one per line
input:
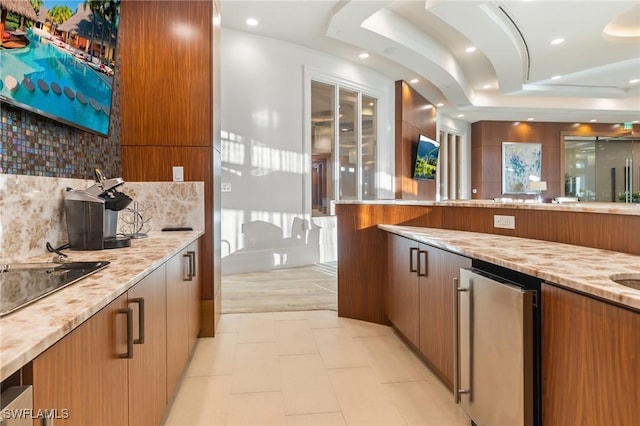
<point x="604" y="208"/>
<point x="584" y="269"/>
<point x="29" y="331"/>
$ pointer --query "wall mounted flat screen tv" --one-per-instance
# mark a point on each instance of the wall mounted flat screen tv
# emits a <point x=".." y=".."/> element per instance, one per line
<point x="426" y="159"/>
<point x="59" y="62"/>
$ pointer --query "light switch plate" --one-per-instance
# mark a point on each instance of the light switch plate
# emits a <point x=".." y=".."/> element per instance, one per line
<point x="507" y="222"/>
<point x="178" y="174"/>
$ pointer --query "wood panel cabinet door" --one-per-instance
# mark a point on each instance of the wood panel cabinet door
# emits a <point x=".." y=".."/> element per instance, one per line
<point x="438" y="268"/>
<point x="402" y="297"/>
<point x="590" y="359"/>
<point x="148" y="367"/>
<point x="194" y="296"/>
<point x="177" y="317"/>
<point x="84" y="374"/>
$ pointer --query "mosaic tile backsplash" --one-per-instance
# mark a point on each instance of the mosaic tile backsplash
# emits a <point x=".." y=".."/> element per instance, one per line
<point x="32" y="210"/>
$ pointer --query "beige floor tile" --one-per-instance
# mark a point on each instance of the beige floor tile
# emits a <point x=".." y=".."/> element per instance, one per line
<point x="214" y="355"/>
<point x="305" y="385"/>
<point x="324" y="419"/>
<point x="325" y="319"/>
<point x="200" y="401"/>
<point x="295" y="338"/>
<point x="363" y="399"/>
<point x="337" y="348"/>
<point x="291" y="315"/>
<point x="391" y="359"/>
<point x="422" y="403"/>
<point x="229" y="323"/>
<point x="257" y="328"/>
<point x="367" y="329"/>
<point x="254" y="409"/>
<point x="256" y="369"/>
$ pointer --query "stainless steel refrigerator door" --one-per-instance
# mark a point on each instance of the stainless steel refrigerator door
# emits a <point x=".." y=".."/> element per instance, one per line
<point x="494" y="351"/>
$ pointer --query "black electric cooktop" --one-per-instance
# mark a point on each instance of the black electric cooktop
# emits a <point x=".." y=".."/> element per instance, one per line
<point x="20" y="286"/>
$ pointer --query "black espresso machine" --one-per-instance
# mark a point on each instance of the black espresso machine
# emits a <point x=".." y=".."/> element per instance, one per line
<point x="92" y="215"/>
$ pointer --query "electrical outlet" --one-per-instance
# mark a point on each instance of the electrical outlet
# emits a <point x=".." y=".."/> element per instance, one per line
<point x="507" y="222"/>
<point x="178" y="174"/>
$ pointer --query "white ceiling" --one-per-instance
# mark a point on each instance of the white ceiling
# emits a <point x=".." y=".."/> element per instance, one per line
<point x="508" y="77"/>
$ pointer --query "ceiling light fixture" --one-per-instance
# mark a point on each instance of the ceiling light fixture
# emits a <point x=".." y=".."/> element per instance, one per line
<point x="440" y="104"/>
<point x="593" y="120"/>
<point x="364" y="55"/>
<point x="634" y="81"/>
<point x="530" y="119"/>
<point x="557" y="41"/>
<point x="414" y="81"/>
<point x="460" y="115"/>
<point x="486" y="86"/>
<point x="470" y="49"/>
<point x="556" y="77"/>
<point x="252" y="22"/>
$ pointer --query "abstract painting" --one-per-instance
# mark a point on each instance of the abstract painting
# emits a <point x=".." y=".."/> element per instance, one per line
<point x="521" y="164"/>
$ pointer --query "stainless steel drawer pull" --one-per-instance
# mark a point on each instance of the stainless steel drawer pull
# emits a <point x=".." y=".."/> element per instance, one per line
<point x="129" y="313"/>
<point x="140" y="302"/>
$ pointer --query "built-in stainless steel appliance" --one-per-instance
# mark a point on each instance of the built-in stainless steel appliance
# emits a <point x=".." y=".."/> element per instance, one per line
<point x="497" y="350"/>
<point x="92" y="215"/>
<point x="26" y="283"/>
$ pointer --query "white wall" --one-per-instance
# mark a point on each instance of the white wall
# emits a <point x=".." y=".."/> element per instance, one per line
<point x="266" y="149"/>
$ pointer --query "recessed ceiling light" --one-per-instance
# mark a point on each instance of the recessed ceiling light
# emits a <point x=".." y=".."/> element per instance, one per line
<point x="470" y="49"/>
<point x="364" y="55"/>
<point x="556" y="77"/>
<point x="460" y="115"/>
<point x="634" y="81"/>
<point x="557" y="41"/>
<point x="252" y="22"/>
<point x="414" y="81"/>
<point x="593" y="120"/>
<point x="636" y="121"/>
<point x="530" y="119"/>
<point x="440" y="104"/>
<point x="486" y="86"/>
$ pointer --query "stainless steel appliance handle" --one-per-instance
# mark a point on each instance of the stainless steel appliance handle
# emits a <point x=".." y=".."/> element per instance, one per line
<point x="129" y="313"/>
<point x="411" y="267"/>
<point x="456" y="341"/>
<point x="192" y="254"/>
<point x="140" y="302"/>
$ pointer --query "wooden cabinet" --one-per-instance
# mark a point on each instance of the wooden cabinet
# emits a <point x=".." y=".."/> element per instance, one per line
<point x="420" y="299"/>
<point x="84" y="374"/>
<point x="438" y="268"/>
<point x="148" y="366"/>
<point x="120" y="366"/>
<point x="590" y="359"/>
<point x="403" y="303"/>
<point x="183" y="315"/>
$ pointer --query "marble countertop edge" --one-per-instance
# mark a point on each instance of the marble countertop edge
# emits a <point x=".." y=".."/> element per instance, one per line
<point x="29" y="331"/>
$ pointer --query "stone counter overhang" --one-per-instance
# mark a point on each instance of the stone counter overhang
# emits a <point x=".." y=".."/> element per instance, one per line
<point x="583" y="269"/>
<point x="28" y="332"/>
<point x="582" y="207"/>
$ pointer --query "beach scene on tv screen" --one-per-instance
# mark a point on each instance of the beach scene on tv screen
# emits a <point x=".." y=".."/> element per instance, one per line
<point x="58" y="59"/>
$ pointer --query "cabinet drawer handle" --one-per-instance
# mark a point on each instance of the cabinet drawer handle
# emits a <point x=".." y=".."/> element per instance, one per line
<point x="412" y="268"/>
<point x="420" y="264"/>
<point x="186" y="272"/>
<point x="129" y="313"/>
<point x="140" y="302"/>
<point x="457" y="391"/>
<point x="193" y="262"/>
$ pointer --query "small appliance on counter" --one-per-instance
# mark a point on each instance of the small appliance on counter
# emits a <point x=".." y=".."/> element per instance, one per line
<point x="92" y="215"/>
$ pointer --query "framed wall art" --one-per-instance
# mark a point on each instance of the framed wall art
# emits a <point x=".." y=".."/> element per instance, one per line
<point x="521" y="165"/>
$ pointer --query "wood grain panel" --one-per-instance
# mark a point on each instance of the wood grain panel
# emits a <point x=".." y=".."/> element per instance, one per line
<point x="83" y="373"/>
<point x="165" y="72"/>
<point x="148" y="367"/>
<point x="177" y="320"/>
<point x="590" y="356"/>
<point x="403" y="303"/>
<point x="153" y="163"/>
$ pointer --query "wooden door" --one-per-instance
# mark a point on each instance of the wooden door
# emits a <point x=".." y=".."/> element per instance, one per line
<point x="590" y="358"/>
<point x="83" y="373"/>
<point x="148" y="367"/>
<point x="436" y="309"/>
<point x="402" y="298"/>
<point x="177" y="318"/>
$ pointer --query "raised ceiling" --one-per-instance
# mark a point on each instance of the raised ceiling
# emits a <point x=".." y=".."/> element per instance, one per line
<point x="510" y="74"/>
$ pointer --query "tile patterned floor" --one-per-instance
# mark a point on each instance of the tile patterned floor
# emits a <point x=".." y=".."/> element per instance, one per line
<point x="308" y="368"/>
